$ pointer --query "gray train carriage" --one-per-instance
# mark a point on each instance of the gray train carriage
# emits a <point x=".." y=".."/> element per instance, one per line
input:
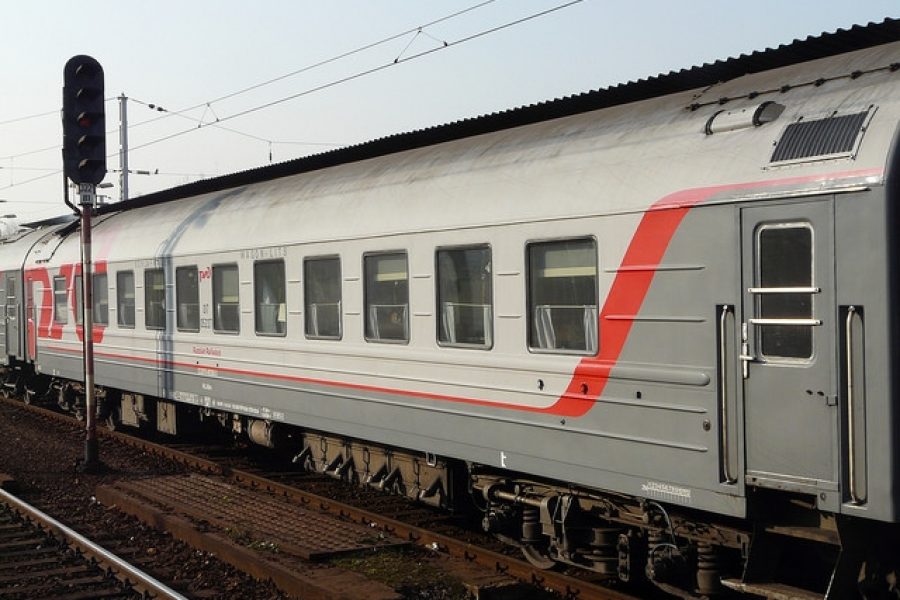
<point x="649" y="328"/>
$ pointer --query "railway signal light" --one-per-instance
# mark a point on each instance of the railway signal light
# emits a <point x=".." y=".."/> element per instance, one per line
<point x="84" y="121"/>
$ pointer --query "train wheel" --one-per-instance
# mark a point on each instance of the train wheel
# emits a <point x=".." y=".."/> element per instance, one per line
<point x="538" y="557"/>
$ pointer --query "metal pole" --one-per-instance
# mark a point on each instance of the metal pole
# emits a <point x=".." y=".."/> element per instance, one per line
<point x="123" y="148"/>
<point x="87" y="193"/>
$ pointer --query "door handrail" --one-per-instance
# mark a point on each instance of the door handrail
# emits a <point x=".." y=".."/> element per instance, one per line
<point x="851" y="421"/>
<point x="723" y="397"/>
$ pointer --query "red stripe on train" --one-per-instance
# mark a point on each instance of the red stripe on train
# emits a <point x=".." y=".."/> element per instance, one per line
<point x="629" y="288"/>
<point x="647" y="247"/>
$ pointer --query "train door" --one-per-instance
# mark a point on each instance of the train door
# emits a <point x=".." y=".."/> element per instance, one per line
<point x="788" y="345"/>
<point x="31" y="326"/>
<point x="11" y="318"/>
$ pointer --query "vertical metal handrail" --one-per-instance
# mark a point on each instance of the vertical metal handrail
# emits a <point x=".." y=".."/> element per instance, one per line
<point x="723" y="396"/>
<point x="851" y="422"/>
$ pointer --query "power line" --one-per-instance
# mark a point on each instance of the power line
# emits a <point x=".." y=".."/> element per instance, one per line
<point x="163" y="173"/>
<point x="30" y="202"/>
<point x="30" y="152"/>
<point x="28" y="117"/>
<point x="356" y="51"/>
<point x="322" y="63"/>
<point x="229" y="129"/>
<point x="33" y="179"/>
<point x="304" y="69"/>
<point x="17" y="168"/>
<point x="399" y="60"/>
<point x="47" y="148"/>
<point x="171" y="174"/>
<point x="363" y="73"/>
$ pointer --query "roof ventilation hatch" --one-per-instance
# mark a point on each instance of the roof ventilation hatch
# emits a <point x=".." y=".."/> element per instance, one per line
<point x="743" y="118"/>
<point x="835" y="136"/>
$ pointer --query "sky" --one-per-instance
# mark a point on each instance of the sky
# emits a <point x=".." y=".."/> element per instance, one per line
<point x="342" y="72"/>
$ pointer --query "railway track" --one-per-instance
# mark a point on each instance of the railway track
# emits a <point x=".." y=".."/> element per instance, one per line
<point x="42" y="558"/>
<point x="392" y="518"/>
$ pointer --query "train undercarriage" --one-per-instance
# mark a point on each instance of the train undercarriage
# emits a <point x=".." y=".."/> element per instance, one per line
<point x="786" y="550"/>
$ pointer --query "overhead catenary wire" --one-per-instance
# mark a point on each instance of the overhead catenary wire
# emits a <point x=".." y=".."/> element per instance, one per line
<point x="414" y="38"/>
<point x="324" y="62"/>
<point x="363" y="73"/>
<point x="358" y="75"/>
<point x="250" y="88"/>
<point x="29" y="117"/>
<point x="32" y="180"/>
<point x="163" y="173"/>
<point x="182" y="114"/>
<point x="18" y="168"/>
<point x="30" y="152"/>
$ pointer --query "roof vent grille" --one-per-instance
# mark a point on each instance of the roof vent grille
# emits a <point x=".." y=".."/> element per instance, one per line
<point x="834" y="135"/>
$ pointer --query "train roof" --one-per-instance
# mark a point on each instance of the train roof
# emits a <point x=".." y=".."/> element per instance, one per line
<point x="825" y="45"/>
<point x="14" y="248"/>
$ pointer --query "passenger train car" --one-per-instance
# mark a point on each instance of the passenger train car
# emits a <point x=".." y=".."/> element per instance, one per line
<point x="649" y="331"/>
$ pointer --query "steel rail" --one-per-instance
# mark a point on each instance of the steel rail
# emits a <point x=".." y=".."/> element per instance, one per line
<point x="124" y="571"/>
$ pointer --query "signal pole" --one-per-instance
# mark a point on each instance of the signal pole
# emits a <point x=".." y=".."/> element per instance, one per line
<point x="87" y="193"/>
<point x="84" y="162"/>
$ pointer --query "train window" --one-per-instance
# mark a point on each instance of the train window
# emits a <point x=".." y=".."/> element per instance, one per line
<point x="154" y="299"/>
<point x="322" y="297"/>
<point x="269" y="294"/>
<point x="60" y="301"/>
<point x="79" y="300"/>
<point x="464" y="297"/>
<point x="125" y="298"/>
<point x="785" y="273"/>
<point x="387" y="297"/>
<point x="187" y="299"/>
<point x="101" y="299"/>
<point x="562" y="299"/>
<point x="227" y="308"/>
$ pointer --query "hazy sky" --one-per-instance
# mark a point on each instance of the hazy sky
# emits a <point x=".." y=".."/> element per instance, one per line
<point x="181" y="55"/>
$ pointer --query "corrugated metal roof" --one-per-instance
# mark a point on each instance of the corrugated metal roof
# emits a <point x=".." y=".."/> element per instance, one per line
<point x="828" y="44"/>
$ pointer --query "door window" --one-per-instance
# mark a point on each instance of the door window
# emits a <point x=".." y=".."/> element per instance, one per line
<point x="785" y="292"/>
